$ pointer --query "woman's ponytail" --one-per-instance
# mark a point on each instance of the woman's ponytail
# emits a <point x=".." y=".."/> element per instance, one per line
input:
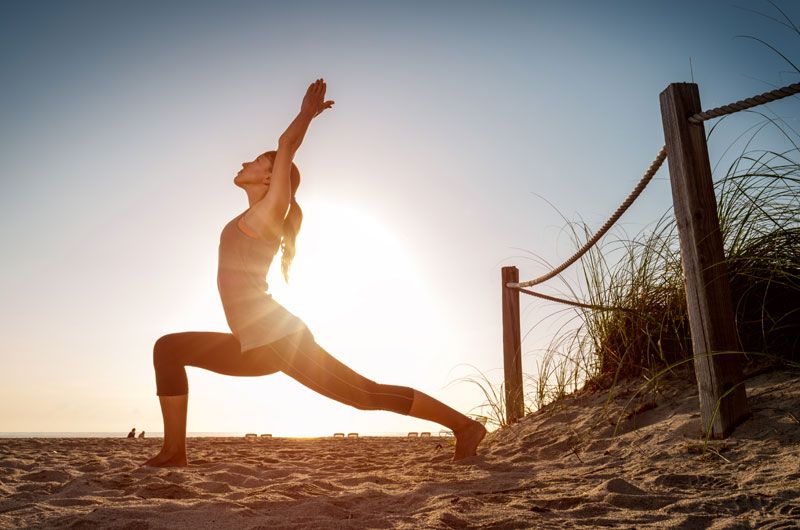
<point x="292" y="222"/>
<point x="291" y="227"/>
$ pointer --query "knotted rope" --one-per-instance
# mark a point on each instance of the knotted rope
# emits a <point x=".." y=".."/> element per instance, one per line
<point x="698" y="118"/>
<point x="643" y="182"/>
<point x="754" y="101"/>
<point x="572" y="302"/>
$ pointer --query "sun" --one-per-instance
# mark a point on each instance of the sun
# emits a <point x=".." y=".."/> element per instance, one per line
<point x="348" y="267"/>
<point x="363" y="294"/>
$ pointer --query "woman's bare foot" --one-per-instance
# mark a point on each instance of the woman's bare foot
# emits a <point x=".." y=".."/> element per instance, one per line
<point x="467" y="440"/>
<point x="168" y="459"/>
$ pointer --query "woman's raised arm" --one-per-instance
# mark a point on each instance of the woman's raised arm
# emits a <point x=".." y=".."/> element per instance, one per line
<point x="270" y="211"/>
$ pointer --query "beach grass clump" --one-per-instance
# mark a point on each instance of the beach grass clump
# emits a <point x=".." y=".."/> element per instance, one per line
<point x="644" y="326"/>
<point x="643" y="329"/>
<point x="760" y="219"/>
<point x="638" y="324"/>
<point x="492" y="411"/>
<point x="645" y="323"/>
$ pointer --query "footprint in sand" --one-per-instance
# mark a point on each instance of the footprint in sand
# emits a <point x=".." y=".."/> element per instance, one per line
<point x="369" y="479"/>
<point x="622" y="494"/>
<point x="214" y="487"/>
<point x="682" y="482"/>
<point x="71" y="502"/>
<point x="50" y="475"/>
<point x="165" y="490"/>
<point x="93" y="467"/>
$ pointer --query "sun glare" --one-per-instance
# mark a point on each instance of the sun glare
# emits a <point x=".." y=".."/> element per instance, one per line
<point x="346" y="262"/>
<point x="364" y="296"/>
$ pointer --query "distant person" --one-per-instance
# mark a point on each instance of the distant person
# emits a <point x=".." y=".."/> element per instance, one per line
<point x="141" y="434"/>
<point x="132" y="434"/>
<point x="266" y="338"/>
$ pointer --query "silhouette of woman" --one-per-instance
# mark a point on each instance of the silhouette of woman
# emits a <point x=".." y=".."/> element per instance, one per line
<point x="267" y="338"/>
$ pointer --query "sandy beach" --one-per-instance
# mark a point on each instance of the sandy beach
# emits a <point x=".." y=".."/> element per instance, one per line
<point x="563" y="467"/>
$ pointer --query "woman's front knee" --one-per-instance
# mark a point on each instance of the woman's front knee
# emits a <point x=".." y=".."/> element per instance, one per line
<point x="163" y="351"/>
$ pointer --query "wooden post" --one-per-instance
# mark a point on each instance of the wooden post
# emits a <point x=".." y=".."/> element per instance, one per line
<point x="512" y="347"/>
<point x="708" y="296"/>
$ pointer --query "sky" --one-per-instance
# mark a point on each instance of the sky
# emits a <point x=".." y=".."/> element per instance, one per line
<point x="462" y="133"/>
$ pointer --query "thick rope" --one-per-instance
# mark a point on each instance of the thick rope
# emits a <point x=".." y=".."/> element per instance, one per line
<point x="572" y="302"/>
<point x="648" y="175"/>
<point x="754" y="101"/>
<point x="698" y="118"/>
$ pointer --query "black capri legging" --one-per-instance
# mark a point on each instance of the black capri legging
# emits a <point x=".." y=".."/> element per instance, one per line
<point x="297" y="355"/>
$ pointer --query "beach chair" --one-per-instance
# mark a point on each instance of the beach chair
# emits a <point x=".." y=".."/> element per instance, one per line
<point x="250" y="436"/>
<point x="264" y="436"/>
<point x="412" y="435"/>
<point x="424" y="435"/>
<point x="338" y="435"/>
<point x="352" y="435"/>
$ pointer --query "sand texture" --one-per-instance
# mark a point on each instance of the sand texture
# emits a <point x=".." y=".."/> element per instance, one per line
<point x="563" y="467"/>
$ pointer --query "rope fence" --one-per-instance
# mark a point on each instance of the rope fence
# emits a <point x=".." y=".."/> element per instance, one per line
<point x="722" y="397"/>
<point x="745" y="104"/>
<point x="643" y="182"/>
<point x="571" y="302"/>
<point x="698" y="118"/>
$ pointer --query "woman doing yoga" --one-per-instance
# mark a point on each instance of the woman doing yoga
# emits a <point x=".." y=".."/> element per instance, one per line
<point x="266" y="338"/>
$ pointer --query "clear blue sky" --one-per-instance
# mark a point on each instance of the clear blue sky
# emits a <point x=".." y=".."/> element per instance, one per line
<point x="122" y="126"/>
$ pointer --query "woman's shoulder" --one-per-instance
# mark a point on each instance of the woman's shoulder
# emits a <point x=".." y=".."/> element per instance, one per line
<point x="254" y="225"/>
<point x="268" y="235"/>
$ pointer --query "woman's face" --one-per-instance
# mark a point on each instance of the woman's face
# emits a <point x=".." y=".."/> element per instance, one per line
<point x="256" y="172"/>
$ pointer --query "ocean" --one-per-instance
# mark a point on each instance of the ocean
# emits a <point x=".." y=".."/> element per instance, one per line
<point x="153" y="434"/>
<point x="160" y="434"/>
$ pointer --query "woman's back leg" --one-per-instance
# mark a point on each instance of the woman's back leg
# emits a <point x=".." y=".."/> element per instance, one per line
<point x="307" y="362"/>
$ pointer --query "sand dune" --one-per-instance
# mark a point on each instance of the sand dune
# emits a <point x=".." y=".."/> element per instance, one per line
<point x="563" y="467"/>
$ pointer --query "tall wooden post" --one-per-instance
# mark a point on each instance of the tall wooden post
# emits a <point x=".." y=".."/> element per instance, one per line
<point x="708" y="296"/>
<point x="512" y="347"/>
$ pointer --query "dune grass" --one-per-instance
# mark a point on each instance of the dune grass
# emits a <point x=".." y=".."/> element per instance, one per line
<point x="646" y="335"/>
<point x="758" y="199"/>
<point x="759" y="211"/>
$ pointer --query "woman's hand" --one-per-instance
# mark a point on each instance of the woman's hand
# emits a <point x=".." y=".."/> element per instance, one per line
<point x="313" y="105"/>
<point x="314" y="101"/>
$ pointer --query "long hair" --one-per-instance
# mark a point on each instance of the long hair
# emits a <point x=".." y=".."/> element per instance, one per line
<point x="292" y="222"/>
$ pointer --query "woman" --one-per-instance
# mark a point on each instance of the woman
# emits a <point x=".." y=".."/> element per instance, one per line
<point x="266" y="338"/>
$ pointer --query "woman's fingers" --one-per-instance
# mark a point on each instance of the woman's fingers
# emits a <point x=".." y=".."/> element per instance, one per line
<point x="313" y="87"/>
<point x="316" y="96"/>
<point x="316" y="90"/>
